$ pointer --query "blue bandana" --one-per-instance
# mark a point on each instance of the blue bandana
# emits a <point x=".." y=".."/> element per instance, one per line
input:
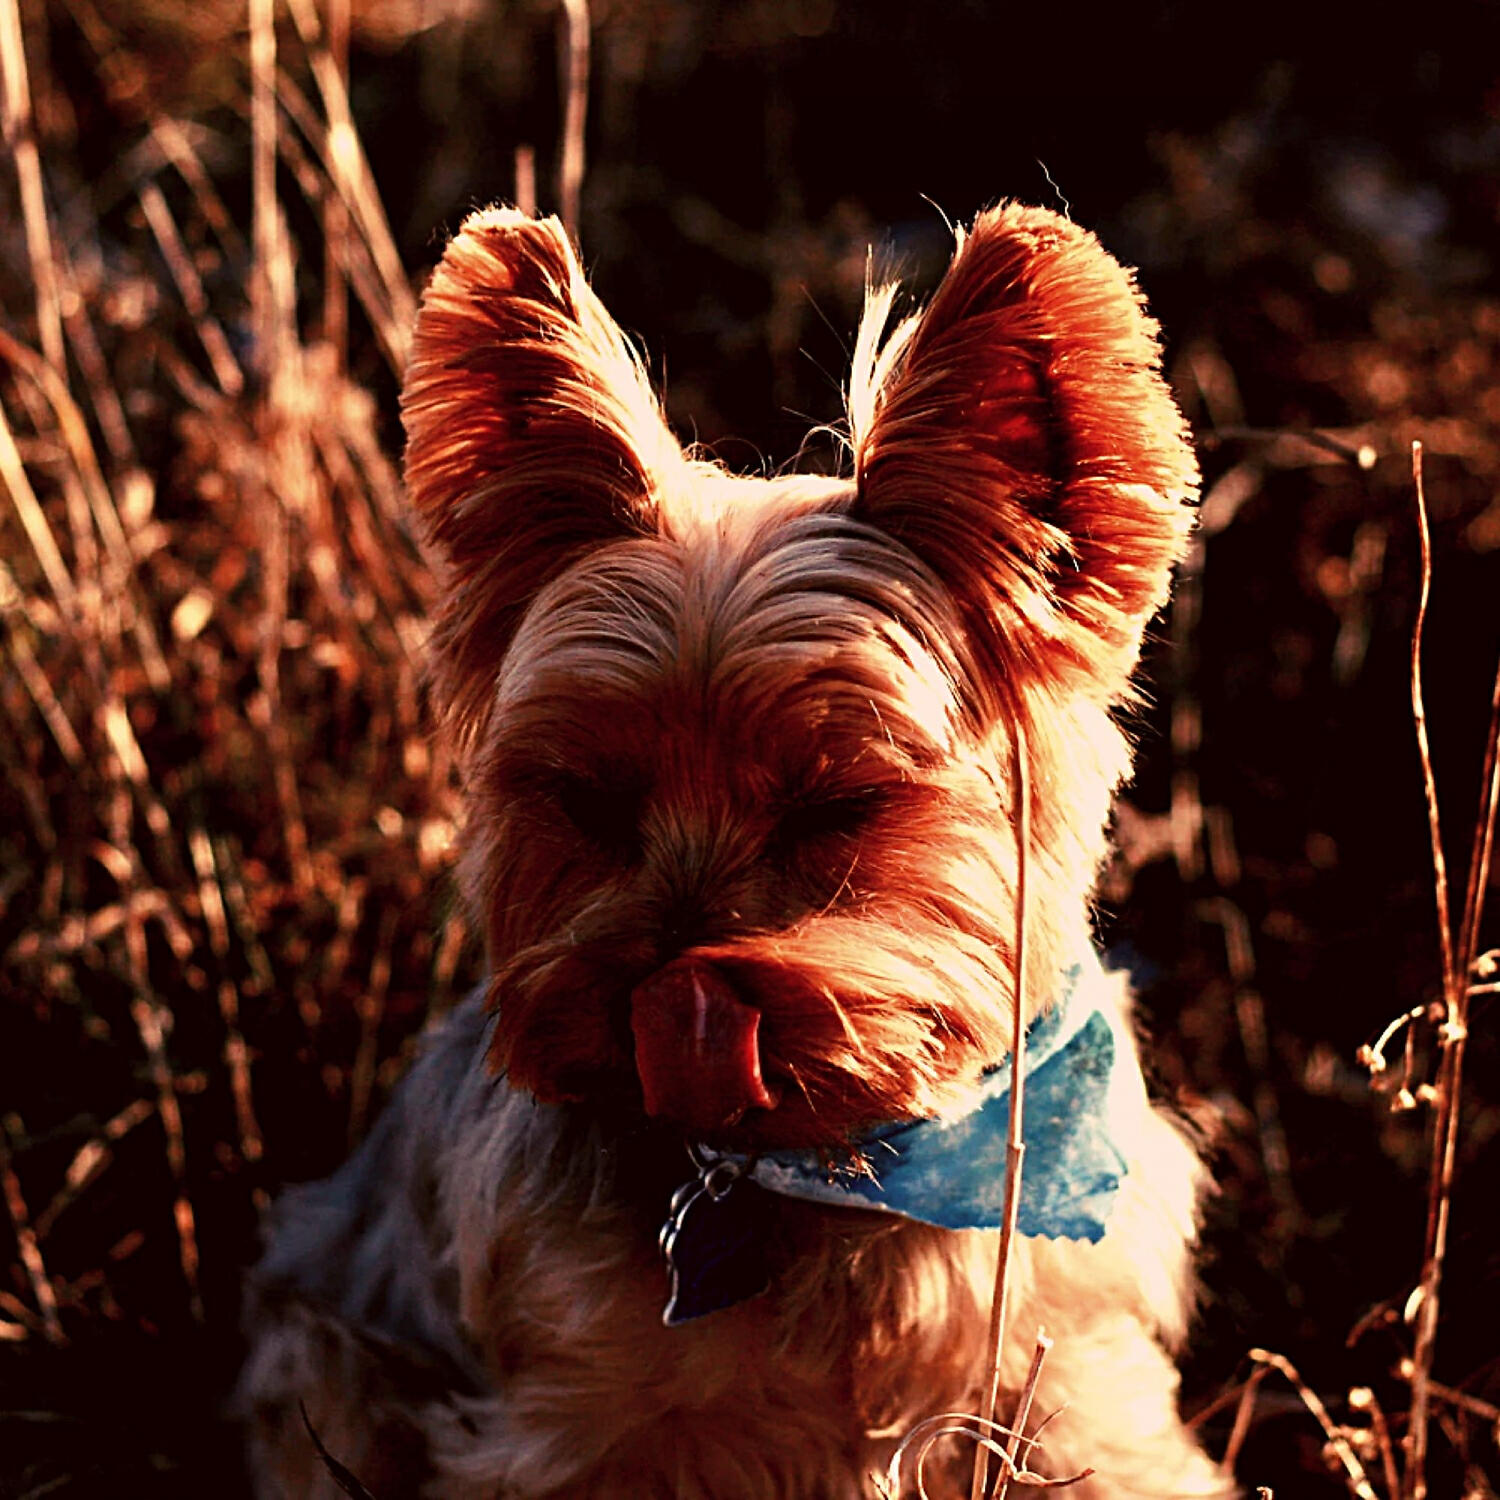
<point x="948" y="1171"/>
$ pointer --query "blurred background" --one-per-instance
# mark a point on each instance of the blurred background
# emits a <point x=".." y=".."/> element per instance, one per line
<point x="225" y="832"/>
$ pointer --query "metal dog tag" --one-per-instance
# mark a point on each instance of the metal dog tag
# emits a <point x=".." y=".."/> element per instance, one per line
<point x="713" y="1242"/>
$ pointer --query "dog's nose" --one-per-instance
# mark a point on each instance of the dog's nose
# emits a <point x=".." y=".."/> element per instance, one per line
<point x="682" y="926"/>
<point x="697" y="1047"/>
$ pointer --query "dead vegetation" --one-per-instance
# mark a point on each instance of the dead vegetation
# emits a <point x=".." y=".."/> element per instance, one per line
<point x="224" y="824"/>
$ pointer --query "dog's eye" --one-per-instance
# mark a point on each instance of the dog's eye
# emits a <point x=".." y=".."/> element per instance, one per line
<point x="609" y="816"/>
<point x="815" y="819"/>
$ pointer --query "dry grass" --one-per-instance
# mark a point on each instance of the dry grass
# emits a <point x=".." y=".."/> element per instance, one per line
<point x="225" y="823"/>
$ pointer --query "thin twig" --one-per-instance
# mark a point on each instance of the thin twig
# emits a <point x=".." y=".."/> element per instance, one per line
<point x="350" y="171"/>
<point x="1362" y="456"/>
<point x="30" y="671"/>
<point x="574" y="67"/>
<point x="1023" y="1411"/>
<point x="1015" y="1146"/>
<point x="1243" y="1413"/>
<point x="1453" y="1033"/>
<point x="1362" y="1398"/>
<point x="26" y="1242"/>
<point x="236" y="1053"/>
<point x="113" y="719"/>
<point x="171" y="139"/>
<point x="335" y="211"/>
<point x="190" y="288"/>
<point x="34" y="522"/>
<point x="266" y="711"/>
<point x="525" y="168"/>
<point x="264" y="213"/>
<point x="152" y="1019"/>
<point x="109" y="411"/>
<point x="1186" y="809"/>
<point x="1250" y="1020"/>
<point x="358" y="261"/>
<point x="1359" y="1481"/>
<point x="1414" y="1481"/>
<point x="20" y="138"/>
<point x="1419" y="719"/>
<point x="1372" y="1054"/>
<point x="1226" y="1398"/>
<point x="90" y="1162"/>
<point x="1486" y="1411"/>
<point x="991" y="1438"/>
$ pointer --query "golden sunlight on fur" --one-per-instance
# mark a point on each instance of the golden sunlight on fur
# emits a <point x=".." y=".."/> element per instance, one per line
<point x="740" y="840"/>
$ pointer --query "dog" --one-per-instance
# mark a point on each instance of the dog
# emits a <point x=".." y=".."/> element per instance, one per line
<point x="697" y="1198"/>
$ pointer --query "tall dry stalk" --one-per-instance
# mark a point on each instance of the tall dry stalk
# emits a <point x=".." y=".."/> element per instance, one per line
<point x="1459" y="953"/>
<point x="525" y="180"/>
<point x="264" y="210"/>
<point x="1015" y="1146"/>
<point x="335" y="321"/>
<point x="20" y="142"/>
<point x="573" y="65"/>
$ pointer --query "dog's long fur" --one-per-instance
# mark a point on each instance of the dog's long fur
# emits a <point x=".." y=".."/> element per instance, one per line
<point x="762" y="728"/>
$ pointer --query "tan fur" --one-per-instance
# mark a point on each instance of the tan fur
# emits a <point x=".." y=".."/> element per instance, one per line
<point x="763" y="727"/>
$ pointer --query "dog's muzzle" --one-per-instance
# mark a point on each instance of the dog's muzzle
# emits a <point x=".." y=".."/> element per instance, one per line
<point x="697" y="1048"/>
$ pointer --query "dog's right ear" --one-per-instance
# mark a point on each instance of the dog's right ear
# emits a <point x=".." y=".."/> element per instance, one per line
<point x="1019" y="438"/>
<point x="532" y="438"/>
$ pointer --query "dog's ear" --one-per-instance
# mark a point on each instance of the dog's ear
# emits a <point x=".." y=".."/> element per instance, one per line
<point x="1018" y="437"/>
<point x="532" y="438"/>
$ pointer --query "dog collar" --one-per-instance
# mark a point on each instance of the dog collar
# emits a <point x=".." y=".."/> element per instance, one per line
<point x="948" y="1171"/>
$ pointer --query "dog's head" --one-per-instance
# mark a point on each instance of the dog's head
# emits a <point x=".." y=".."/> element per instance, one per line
<point x="738" y="751"/>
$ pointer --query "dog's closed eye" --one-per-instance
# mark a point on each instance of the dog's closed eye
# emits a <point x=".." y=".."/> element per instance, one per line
<point x="607" y="814"/>
<point x="815" y="819"/>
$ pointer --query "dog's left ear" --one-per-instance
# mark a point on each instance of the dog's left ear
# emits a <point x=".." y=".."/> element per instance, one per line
<point x="532" y="438"/>
<point x="1018" y="436"/>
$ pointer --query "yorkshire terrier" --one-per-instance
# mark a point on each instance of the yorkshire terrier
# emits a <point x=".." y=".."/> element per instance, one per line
<point x="697" y="1199"/>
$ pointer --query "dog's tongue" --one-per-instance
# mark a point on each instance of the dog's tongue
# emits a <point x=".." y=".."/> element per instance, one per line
<point x="696" y="1047"/>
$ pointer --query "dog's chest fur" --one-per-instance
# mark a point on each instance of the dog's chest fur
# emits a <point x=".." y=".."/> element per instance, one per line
<point x="558" y="1343"/>
<point x="514" y="1359"/>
